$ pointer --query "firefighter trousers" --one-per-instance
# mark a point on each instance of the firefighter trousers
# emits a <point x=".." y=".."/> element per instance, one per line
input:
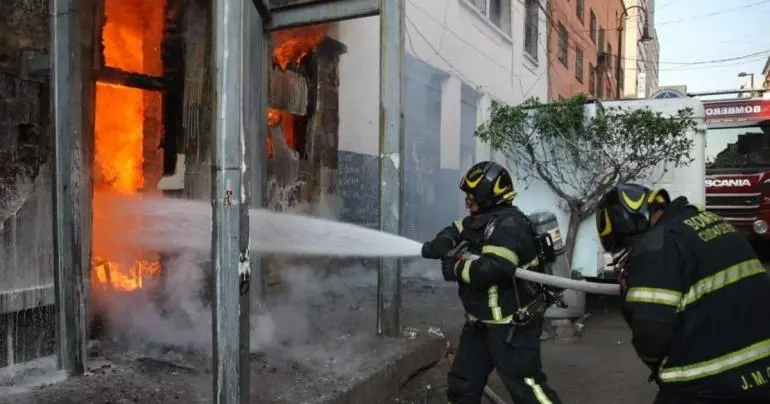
<point x="483" y="348"/>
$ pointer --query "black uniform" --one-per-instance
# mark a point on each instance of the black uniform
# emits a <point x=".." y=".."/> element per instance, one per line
<point x="698" y="307"/>
<point x="490" y="295"/>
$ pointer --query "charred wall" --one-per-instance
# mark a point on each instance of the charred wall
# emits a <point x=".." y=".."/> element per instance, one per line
<point x="26" y="243"/>
<point x="25" y="156"/>
<point x="26" y="161"/>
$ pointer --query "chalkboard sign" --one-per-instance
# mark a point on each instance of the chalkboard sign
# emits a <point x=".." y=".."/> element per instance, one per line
<point x="358" y="187"/>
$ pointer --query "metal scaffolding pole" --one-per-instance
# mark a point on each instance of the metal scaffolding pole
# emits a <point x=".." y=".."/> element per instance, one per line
<point x="227" y="196"/>
<point x="391" y="167"/>
<point x="67" y="105"/>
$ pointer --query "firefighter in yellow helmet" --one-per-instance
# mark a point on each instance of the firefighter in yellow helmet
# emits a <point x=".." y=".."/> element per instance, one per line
<point x="696" y="297"/>
<point x="494" y="337"/>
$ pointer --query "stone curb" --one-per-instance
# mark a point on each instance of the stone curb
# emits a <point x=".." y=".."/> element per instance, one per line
<point x="385" y="379"/>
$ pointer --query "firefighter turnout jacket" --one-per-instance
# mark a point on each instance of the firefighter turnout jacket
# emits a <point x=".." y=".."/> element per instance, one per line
<point x="504" y="240"/>
<point x="698" y="307"/>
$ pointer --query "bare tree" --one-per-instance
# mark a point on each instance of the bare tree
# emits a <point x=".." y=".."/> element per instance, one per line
<point x="580" y="159"/>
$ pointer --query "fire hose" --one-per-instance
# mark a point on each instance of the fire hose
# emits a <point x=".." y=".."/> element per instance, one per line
<point x="563" y="283"/>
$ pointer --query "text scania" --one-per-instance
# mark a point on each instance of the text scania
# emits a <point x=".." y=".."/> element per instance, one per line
<point x="738" y="110"/>
<point x="735" y="182"/>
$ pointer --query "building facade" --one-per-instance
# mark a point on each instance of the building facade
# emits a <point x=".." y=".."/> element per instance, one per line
<point x="583" y="48"/>
<point x="461" y="56"/>
<point x="322" y="137"/>
<point x="641" y="58"/>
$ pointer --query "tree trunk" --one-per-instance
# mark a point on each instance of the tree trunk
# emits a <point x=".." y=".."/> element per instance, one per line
<point x="572" y="230"/>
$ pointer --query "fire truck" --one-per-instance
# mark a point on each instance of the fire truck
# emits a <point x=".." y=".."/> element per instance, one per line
<point x="738" y="163"/>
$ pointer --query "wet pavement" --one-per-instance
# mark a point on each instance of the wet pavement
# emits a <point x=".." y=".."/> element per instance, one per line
<point x="324" y="350"/>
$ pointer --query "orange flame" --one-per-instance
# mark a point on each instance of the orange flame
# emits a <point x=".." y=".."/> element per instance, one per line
<point x="291" y="45"/>
<point x="132" y="36"/>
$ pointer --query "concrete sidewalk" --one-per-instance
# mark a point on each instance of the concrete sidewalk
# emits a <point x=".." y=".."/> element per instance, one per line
<point x="330" y="356"/>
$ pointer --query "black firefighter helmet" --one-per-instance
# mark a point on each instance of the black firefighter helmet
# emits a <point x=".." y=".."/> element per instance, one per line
<point x="623" y="214"/>
<point x="488" y="184"/>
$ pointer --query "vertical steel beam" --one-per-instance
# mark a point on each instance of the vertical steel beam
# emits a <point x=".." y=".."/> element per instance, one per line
<point x="261" y="63"/>
<point x="67" y="105"/>
<point x="227" y="196"/>
<point x="391" y="164"/>
<point x="254" y="116"/>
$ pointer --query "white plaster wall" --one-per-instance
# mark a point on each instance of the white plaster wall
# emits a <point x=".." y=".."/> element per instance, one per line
<point x="452" y="36"/>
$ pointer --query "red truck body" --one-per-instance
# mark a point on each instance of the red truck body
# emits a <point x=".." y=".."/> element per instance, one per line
<point x="738" y="164"/>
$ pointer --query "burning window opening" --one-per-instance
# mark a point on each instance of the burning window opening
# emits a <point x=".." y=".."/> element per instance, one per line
<point x="128" y="128"/>
<point x="291" y="46"/>
<point x="132" y="34"/>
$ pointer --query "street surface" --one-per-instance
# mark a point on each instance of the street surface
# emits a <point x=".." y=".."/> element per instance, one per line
<point x="599" y="368"/>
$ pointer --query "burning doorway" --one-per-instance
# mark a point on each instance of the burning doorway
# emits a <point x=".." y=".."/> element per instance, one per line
<point x="303" y="117"/>
<point x="128" y="132"/>
<point x="154" y="112"/>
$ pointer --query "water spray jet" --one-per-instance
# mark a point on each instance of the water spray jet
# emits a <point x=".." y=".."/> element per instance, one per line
<point x="186" y="225"/>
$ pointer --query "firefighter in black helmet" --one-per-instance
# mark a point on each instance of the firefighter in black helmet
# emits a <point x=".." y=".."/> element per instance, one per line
<point x="502" y="236"/>
<point x="696" y="297"/>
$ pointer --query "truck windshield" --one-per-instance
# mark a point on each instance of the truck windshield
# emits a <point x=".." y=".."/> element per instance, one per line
<point x="738" y="147"/>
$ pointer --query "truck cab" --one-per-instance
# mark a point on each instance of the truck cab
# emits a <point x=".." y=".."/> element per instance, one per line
<point x="738" y="164"/>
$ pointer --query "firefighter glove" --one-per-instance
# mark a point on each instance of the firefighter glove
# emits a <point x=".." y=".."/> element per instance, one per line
<point x="437" y="247"/>
<point x="449" y="268"/>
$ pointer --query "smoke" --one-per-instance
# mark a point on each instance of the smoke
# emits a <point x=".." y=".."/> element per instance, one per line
<point x="313" y="309"/>
<point x="319" y="314"/>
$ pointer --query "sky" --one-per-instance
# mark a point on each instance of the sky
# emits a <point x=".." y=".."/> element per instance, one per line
<point x="703" y="31"/>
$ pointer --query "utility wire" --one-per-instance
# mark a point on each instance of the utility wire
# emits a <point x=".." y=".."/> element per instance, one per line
<point x="697" y="17"/>
<point x="715" y="13"/>
<point x="583" y="46"/>
<point x="662" y="6"/>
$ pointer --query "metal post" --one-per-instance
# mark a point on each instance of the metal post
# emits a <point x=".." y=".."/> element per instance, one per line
<point x="254" y="115"/>
<point x="261" y="62"/>
<point x="67" y="105"/>
<point x="391" y="164"/>
<point x="227" y="196"/>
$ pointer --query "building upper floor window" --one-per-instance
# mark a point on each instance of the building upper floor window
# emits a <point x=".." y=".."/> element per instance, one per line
<point x="579" y="63"/>
<point x="591" y="79"/>
<point x="601" y="39"/>
<point x="609" y="57"/>
<point x="531" y="21"/>
<point x="497" y="11"/>
<point x="580" y="10"/>
<point x="563" y="44"/>
<point x="593" y="26"/>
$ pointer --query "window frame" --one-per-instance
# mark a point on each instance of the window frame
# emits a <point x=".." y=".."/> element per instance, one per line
<point x="531" y="28"/>
<point x="562" y="45"/>
<point x="484" y="7"/>
<point x="602" y="37"/>
<point x="579" y="63"/>
<point x="592" y="25"/>
<point x="591" y="79"/>
<point x="580" y="10"/>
